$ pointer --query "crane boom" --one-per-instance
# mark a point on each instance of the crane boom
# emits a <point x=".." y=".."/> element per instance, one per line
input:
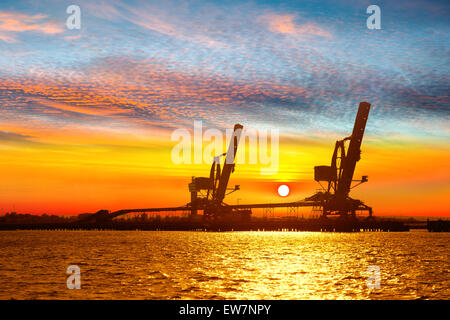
<point x="228" y="166"/>
<point x="354" y="150"/>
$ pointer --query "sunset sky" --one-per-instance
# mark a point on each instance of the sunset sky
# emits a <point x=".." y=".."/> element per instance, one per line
<point x="86" y="116"/>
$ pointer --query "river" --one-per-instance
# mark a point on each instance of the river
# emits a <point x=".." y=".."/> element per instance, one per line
<point x="225" y="265"/>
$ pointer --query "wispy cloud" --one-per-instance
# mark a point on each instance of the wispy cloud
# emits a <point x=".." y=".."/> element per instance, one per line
<point x="150" y="17"/>
<point x="12" y="23"/>
<point x="13" y="137"/>
<point x="286" y="24"/>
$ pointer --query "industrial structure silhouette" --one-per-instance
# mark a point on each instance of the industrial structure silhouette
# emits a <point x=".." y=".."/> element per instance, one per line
<point x="207" y="196"/>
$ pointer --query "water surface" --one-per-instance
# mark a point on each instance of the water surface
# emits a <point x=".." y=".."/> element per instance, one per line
<point x="226" y="265"/>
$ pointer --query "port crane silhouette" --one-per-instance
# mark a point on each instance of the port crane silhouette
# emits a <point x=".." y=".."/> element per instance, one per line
<point x="207" y="194"/>
<point x="216" y="185"/>
<point x="335" y="199"/>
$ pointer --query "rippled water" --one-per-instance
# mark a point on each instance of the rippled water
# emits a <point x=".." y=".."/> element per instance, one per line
<point x="228" y="265"/>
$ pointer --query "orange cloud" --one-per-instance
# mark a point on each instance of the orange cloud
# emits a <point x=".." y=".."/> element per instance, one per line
<point x="285" y="24"/>
<point x="14" y="22"/>
<point x="137" y="91"/>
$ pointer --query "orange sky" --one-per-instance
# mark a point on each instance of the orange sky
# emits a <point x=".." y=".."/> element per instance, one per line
<point x="67" y="172"/>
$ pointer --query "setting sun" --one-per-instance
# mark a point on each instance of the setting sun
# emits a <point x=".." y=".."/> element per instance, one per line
<point x="283" y="190"/>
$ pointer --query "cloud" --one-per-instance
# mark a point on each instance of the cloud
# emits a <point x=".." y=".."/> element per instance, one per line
<point x="150" y="17"/>
<point x="285" y="24"/>
<point x="151" y="92"/>
<point x="157" y="65"/>
<point x="13" y="137"/>
<point x="12" y="23"/>
<point x="138" y="90"/>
